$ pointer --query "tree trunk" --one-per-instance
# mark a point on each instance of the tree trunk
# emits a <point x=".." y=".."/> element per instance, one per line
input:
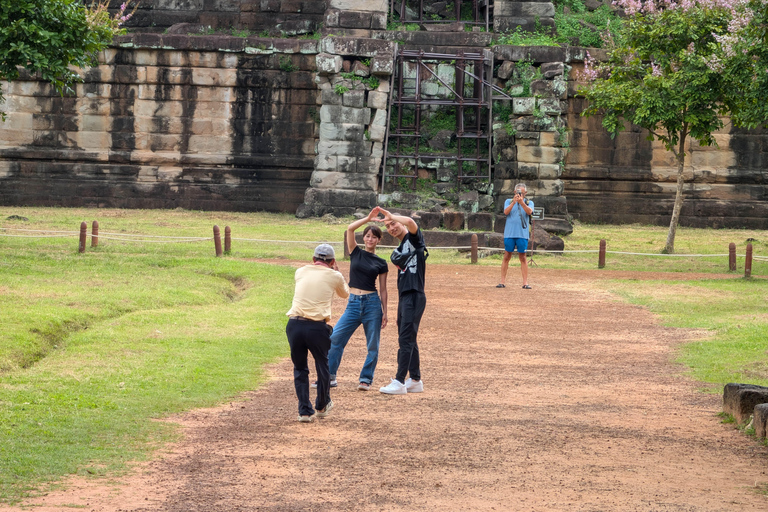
<point x="670" y="247"/>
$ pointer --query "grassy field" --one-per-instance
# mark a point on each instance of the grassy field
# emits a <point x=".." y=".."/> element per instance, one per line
<point x="96" y="345"/>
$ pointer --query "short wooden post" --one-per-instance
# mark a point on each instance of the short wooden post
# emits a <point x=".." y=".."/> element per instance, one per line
<point x="217" y="240"/>
<point x="227" y="240"/>
<point x="346" y="246"/>
<point x="473" y="257"/>
<point x="83" y="236"/>
<point x="748" y="262"/>
<point x="732" y="257"/>
<point x="95" y="234"/>
<point x="601" y="257"/>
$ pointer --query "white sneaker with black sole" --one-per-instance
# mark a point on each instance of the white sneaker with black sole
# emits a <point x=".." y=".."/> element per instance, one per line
<point x="414" y="386"/>
<point x="395" y="387"/>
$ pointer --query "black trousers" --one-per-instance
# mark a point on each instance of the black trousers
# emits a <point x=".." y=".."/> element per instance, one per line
<point x="409" y="313"/>
<point x="313" y="337"/>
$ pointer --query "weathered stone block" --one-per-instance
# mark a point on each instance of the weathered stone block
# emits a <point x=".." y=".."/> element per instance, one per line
<point x="523" y="106"/>
<point x="540" y="154"/>
<point x="383" y="65"/>
<point x="552" y="69"/>
<point x="549" y="171"/>
<point x="377" y="132"/>
<point x="355" y="19"/>
<point x="329" y="97"/>
<point x="328" y="64"/>
<point x="362" y="149"/>
<point x="355" y="99"/>
<point x="343" y="180"/>
<point x="760" y="421"/>
<point x="428" y="220"/>
<point x="480" y="221"/>
<point x="505" y="70"/>
<point x="739" y="400"/>
<point x="453" y="221"/>
<point x="377" y="100"/>
<point x="524" y="9"/>
<point x="326" y="162"/>
<point x="360" y="5"/>
<point x="340" y="114"/>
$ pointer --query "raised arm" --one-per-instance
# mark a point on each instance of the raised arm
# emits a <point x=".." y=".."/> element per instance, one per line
<point x="408" y="222"/>
<point x="351" y="242"/>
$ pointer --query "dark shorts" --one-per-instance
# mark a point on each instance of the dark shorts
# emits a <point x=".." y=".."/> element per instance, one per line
<point x="520" y="243"/>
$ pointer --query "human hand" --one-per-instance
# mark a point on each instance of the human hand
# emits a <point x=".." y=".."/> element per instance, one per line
<point x="384" y="321"/>
<point x="374" y="215"/>
<point x="384" y="213"/>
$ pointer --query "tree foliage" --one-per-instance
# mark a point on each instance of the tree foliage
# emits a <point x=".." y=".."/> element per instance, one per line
<point x="49" y="37"/>
<point x="662" y="79"/>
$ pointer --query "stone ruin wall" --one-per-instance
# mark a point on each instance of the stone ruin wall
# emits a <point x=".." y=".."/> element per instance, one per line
<point x="233" y="123"/>
<point x="168" y="121"/>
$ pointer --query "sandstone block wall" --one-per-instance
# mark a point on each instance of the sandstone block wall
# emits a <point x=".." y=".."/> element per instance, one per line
<point x="284" y="17"/>
<point x="629" y="179"/>
<point x="160" y="128"/>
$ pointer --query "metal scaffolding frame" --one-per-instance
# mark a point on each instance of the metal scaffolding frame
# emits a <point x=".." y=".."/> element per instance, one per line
<point x="470" y="97"/>
<point x="480" y="12"/>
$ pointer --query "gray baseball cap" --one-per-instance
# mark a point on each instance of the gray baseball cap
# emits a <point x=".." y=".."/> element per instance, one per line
<point x="325" y="252"/>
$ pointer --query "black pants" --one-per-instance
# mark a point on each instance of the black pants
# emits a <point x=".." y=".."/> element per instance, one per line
<point x="314" y="337"/>
<point x="409" y="313"/>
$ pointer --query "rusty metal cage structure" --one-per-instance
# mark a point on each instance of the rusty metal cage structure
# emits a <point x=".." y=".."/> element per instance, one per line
<point x="470" y="12"/>
<point x="448" y="95"/>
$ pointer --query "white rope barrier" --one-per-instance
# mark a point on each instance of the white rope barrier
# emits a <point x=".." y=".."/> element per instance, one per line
<point x="154" y="241"/>
<point x="37" y="236"/>
<point x="290" y="241"/>
<point x="41" y="231"/>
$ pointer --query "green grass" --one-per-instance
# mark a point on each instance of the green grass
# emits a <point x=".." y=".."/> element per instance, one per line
<point x="733" y="313"/>
<point x="95" y="346"/>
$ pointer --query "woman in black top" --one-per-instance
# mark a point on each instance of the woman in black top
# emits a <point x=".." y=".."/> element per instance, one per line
<point x="364" y="306"/>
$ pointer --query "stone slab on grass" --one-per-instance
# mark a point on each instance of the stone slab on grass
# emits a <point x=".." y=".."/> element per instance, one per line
<point x="739" y="400"/>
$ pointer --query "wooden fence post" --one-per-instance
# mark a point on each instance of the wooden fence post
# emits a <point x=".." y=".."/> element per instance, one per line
<point x="732" y="257"/>
<point x="601" y="256"/>
<point x="83" y="236"/>
<point x="748" y="262"/>
<point x="227" y="240"/>
<point x="473" y="257"/>
<point x="95" y="234"/>
<point x="217" y="240"/>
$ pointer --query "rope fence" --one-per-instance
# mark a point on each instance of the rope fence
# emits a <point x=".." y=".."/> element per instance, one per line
<point x="227" y="246"/>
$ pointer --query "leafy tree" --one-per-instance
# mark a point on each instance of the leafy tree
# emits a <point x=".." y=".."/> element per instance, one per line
<point x="49" y="36"/>
<point x="661" y="78"/>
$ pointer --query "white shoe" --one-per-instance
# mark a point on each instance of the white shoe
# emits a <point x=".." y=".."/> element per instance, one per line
<point x="394" y="388"/>
<point x="324" y="412"/>
<point x="414" y="386"/>
<point x="307" y="419"/>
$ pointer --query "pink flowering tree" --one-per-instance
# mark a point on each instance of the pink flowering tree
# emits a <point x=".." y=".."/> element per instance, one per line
<point x="742" y="56"/>
<point x="662" y="78"/>
<point x="50" y="37"/>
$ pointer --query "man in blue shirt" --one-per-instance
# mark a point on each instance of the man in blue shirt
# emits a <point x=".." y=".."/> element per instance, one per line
<point x="518" y="211"/>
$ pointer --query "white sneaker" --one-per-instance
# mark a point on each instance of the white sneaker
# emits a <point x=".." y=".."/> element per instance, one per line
<point x="307" y="419"/>
<point x="394" y="388"/>
<point x="334" y="383"/>
<point x="324" y="412"/>
<point x="414" y="386"/>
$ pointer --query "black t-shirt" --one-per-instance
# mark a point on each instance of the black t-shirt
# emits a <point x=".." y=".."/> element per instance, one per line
<point x="410" y="258"/>
<point x="364" y="268"/>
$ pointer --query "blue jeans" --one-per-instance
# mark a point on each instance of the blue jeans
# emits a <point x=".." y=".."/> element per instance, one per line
<point x="361" y="309"/>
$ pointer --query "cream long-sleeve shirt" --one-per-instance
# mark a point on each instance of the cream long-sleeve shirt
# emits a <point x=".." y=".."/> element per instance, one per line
<point x="315" y="286"/>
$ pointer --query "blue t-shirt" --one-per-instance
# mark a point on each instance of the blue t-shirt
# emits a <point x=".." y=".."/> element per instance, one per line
<point x="517" y="220"/>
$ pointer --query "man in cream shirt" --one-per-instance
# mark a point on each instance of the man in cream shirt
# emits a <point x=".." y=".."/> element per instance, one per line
<point x="308" y="329"/>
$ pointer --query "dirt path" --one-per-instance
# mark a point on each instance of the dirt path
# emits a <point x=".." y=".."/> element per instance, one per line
<point x="557" y="398"/>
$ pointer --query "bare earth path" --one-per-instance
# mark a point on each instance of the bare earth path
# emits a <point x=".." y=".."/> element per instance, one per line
<point x="556" y="398"/>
